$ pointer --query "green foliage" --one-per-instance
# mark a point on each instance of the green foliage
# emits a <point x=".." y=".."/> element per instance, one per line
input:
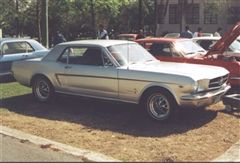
<point x="7" y="15"/>
<point x="73" y="17"/>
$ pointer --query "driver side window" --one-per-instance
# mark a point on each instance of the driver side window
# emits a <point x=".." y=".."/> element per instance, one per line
<point x="85" y="56"/>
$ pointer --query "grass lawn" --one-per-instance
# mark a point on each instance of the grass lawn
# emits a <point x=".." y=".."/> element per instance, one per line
<point x="121" y="130"/>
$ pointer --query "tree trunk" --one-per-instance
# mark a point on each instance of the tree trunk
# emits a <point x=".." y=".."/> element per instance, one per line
<point x="156" y="16"/>
<point x="93" y="19"/>
<point x="140" y="15"/>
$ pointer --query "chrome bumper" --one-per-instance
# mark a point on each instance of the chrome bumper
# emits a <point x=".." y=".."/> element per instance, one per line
<point x="204" y="99"/>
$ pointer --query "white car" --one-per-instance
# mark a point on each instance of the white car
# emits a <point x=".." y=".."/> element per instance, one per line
<point x="122" y="71"/>
<point x="207" y="42"/>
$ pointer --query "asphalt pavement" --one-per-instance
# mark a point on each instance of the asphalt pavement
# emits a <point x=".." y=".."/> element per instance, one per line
<point x="23" y="147"/>
<point x="15" y="150"/>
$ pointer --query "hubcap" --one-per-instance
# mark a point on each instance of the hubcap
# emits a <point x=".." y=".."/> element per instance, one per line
<point x="42" y="89"/>
<point x="159" y="106"/>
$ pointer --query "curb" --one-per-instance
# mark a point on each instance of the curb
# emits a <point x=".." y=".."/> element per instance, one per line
<point x="85" y="155"/>
<point x="231" y="155"/>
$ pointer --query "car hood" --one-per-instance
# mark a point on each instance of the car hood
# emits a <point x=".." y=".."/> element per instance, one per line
<point x="194" y="71"/>
<point x="221" y="45"/>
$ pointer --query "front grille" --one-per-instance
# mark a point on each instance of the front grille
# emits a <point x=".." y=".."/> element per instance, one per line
<point x="218" y="82"/>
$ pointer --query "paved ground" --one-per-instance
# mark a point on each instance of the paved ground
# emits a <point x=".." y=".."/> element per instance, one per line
<point x="15" y="150"/>
<point x="22" y="147"/>
<point x="231" y="155"/>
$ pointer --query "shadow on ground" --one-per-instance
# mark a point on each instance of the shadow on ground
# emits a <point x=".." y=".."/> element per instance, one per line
<point x="7" y="79"/>
<point x="111" y="116"/>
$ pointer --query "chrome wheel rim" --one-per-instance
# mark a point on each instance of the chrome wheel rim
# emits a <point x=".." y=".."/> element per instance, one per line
<point x="42" y="90"/>
<point x="159" y="106"/>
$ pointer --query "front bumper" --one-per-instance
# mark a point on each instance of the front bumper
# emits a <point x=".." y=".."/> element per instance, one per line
<point x="205" y="98"/>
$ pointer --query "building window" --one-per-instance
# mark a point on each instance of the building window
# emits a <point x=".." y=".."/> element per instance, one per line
<point x="233" y="15"/>
<point x="192" y="14"/>
<point x="174" y="14"/>
<point x="210" y="14"/>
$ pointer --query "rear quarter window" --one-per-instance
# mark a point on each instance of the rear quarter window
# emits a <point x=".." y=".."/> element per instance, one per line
<point x="16" y="47"/>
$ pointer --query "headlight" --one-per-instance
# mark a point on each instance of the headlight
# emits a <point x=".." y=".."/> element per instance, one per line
<point x="195" y="87"/>
<point x="201" y="85"/>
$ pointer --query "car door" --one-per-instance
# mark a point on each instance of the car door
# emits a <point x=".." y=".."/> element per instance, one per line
<point x="87" y="72"/>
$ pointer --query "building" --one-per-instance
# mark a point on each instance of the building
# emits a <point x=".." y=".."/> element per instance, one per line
<point x="174" y="15"/>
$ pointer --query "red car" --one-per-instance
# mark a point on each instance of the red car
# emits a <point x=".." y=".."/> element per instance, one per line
<point x="185" y="50"/>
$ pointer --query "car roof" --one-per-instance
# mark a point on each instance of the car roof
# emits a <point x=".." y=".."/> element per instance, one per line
<point x="13" y="39"/>
<point x="104" y="43"/>
<point x="161" y="39"/>
<point x="35" y="44"/>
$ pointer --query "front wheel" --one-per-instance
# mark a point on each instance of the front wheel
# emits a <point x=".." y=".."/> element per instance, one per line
<point x="42" y="89"/>
<point x="160" y="105"/>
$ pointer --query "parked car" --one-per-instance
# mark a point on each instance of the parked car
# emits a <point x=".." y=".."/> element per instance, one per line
<point x="177" y="35"/>
<point x="121" y="71"/>
<point x="13" y="49"/>
<point x="128" y="36"/>
<point x="207" y="35"/>
<point x="187" y="51"/>
<point x="208" y="42"/>
<point x="172" y="35"/>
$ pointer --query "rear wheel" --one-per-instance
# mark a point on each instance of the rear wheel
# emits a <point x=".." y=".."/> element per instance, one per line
<point x="159" y="104"/>
<point x="42" y="89"/>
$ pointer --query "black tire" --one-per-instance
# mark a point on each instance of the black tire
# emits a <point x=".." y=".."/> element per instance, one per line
<point x="42" y="89"/>
<point x="160" y="105"/>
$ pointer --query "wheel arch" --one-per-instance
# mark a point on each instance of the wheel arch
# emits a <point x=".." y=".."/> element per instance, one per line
<point x="154" y="88"/>
<point x="39" y="75"/>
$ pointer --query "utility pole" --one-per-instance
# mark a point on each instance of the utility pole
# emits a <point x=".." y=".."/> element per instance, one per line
<point x="44" y="18"/>
<point x="17" y="19"/>
<point x="38" y="13"/>
<point x="47" y="33"/>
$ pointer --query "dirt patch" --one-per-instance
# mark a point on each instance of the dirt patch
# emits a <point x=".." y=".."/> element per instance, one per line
<point x="122" y="131"/>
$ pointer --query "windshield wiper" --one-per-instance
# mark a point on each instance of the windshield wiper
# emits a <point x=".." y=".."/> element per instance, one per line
<point x="190" y="53"/>
<point x="149" y="60"/>
<point x="132" y="63"/>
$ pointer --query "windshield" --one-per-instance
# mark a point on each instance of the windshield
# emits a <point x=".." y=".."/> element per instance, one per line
<point x="188" y="47"/>
<point x="235" y="46"/>
<point x="131" y="53"/>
